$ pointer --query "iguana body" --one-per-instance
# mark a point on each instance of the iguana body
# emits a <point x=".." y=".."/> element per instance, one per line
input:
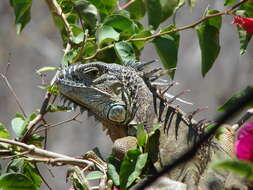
<point x="123" y="95"/>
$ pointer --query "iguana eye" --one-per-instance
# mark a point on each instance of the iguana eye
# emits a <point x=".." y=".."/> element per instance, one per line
<point x="92" y="72"/>
<point x="117" y="113"/>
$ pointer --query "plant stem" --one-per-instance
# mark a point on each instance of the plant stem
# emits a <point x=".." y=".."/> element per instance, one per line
<point x="48" y="156"/>
<point x="54" y="7"/>
<point x="126" y="5"/>
<point x="158" y="34"/>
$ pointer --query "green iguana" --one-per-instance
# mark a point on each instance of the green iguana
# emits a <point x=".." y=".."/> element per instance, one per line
<point x="121" y="96"/>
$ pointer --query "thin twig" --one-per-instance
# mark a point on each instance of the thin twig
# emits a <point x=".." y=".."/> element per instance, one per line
<point x="243" y="119"/>
<point x="41" y="176"/>
<point x="55" y="8"/>
<point x="97" y="52"/>
<point x="85" y="36"/>
<point x="16" y="155"/>
<point x="58" y="124"/>
<point x="126" y="5"/>
<point x="14" y="94"/>
<point x="45" y="135"/>
<point x="8" y="65"/>
<point x="48" y="156"/>
<point x="158" y="34"/>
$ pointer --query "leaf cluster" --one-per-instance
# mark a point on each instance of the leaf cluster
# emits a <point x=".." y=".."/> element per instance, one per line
<point x="103" y="31"/>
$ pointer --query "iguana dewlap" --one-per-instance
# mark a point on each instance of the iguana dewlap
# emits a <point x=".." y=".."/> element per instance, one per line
<point x="120" y="96"/>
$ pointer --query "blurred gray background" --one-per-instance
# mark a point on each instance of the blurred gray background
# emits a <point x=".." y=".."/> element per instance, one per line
<point x="40" y="45"/>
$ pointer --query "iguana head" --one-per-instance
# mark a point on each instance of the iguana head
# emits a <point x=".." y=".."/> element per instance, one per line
<point x="112" y="92"/>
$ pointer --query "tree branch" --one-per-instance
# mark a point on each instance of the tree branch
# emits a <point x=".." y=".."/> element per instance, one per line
<point x="54" y="7"/>
<point x="48" y="156"/>
<point x="57" y="124"/>
<point x="243" y="119"/>
<point x="13" y="93"/>
<point x="158" y="34"/>
<point x="126" y="5"/>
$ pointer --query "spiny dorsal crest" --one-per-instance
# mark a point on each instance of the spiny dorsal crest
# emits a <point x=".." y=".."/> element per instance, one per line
<point x="163" y="101"/>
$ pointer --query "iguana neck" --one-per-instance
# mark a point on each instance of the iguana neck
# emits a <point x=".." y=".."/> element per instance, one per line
<point x="145" y="109"/>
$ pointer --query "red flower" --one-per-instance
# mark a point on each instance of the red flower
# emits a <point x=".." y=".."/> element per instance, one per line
<point x="245" y="23"/>
<point x="244" y="143"/>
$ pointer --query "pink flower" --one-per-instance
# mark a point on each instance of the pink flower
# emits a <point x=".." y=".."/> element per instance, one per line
<point x="244" y="22"/>
<point x="244" y="143"/>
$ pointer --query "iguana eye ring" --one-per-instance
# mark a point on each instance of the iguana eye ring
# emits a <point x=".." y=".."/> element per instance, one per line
<point x="117" y="113"/>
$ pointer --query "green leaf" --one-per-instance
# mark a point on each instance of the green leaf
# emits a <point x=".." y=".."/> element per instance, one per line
<point x="209" y="41"/>
<point x="125" y="52"/>
<point x="244" y="40"/>
<point x="20" y="116"/>
<point x="43" y="69"/>
<point x="248" y="8"/>
<point x="234" y="98"/>
<point x="229" y="2"/>
<point x="241" y="168"/>
<point x="168" y="7"/>
<point x="4" y="133"/>
<point x="105" y="7"/>
<point x="137" y="9"/>
<point x="16" y="165"/>
<point x="94" y="175"/>
<point x="141" y="135"/>
<point x="22" y="13"/>
<point x="154" y="9"/>
<point x="243" y="35"/>
<point x="107" y="34"/>
<point x="167" y="49"/>
<point x="114" y="161"/>
<point x="52" y="108"/>
<point x="160" y="10"/>
<point x="19" y="126"/>
<point x="51" y="88"/>
<point x="16" y="181"/>
<point x="32" y="116"/>
<point x="152" y="146"/>
<point x="89" y="48"/>
<point x="131" y="167"/>
<point x="88" y="13"/>
<point x="140" y="44"/>
<point x="78" y="34"/>
<point x="121" y="23"/>
<point x="31" y="172"/>
<point x="24" y="167"/>
<point x="113" y="174"/>
<point x="35" y="140"/>
<point x="69" y="57"/>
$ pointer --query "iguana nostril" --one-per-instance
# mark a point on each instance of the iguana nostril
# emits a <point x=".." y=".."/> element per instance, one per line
<point x="117" y="113"/>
